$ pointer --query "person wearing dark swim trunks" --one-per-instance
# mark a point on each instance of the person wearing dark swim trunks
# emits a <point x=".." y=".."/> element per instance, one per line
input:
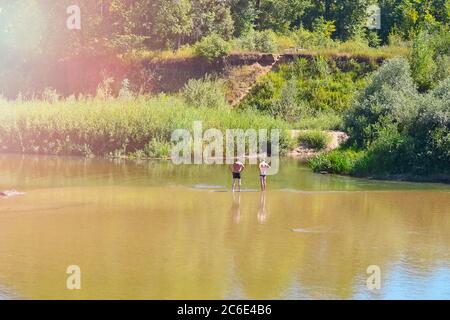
<point x="236" y="169"/>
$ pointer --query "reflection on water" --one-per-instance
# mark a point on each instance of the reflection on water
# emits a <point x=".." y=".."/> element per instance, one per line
<point x="236" y="207"/>
<point x="262" y="212"/>
<point x="151" y="230"/>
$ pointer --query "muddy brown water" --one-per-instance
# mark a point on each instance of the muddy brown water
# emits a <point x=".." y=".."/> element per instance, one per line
<point x="153" y="230"/>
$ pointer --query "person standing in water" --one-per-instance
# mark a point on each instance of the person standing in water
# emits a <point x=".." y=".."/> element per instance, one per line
<point x="236" y="168"/>
<point x="263" y="167"/>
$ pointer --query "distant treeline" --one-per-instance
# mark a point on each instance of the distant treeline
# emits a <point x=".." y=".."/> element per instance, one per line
<point x="39" y="26"/>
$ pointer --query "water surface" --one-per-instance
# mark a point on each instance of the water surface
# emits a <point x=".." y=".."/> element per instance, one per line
<point x="152" y="230"/>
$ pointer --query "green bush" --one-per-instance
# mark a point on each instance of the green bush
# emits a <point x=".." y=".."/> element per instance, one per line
<point x="403" y="132"/>
<point x="212" y="47"/>
<point x="320" y="121"/>
<point x="430" y="58"/>
<point x="261" y="41"/>
<point x="317" y="140"/>
<point x="422" y="60"/>
<point x="265" y="93"/>
<point x="443" y="70"/>
<point x="114" y="127"/>
<point x="391" y="153"/>
<point x="286" y="106"/>
<point x="337" y="161"/>
<point x="157" y="149"/>
<point x="306" y="89"/>
<point x="206" y="92"/>
<point x="390" y="97"/>
<point x="373" y="39"/>
<point x="431" y="130"/>
<point x="320" y="38"/>
<point x="266" y="41"/>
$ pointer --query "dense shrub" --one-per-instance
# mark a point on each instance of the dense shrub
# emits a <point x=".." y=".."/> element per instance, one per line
<point x="206" y="92"/>
<point x="321" y="121"/>
<point x="114" y="127"/>
<point x="422" y="61"/>
<point x="373" y="40"/>
<point x="212" y="47"/>
<point x="429" y="58"/>
<point x="157" y="149"/>
<point x="317" y="140"/>
<point x="431" y="130"/>
<point x="286" y="106"/>
<point x="261" y="41"/>
<point x="320" y="38"/>
<point x="391" y="153"/>
<point x="391" y="97"/>
<point x="306" y="88"/>
<point x="402" y="131"/>
<point x="337" y="161"/>
<point x="265" y="93"/>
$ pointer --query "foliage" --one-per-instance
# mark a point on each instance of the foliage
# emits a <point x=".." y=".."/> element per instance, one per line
<point x="321" y="121"/>
<point x="157" y="149"/>
<point x="315" y="139"/>
<point x="373" y="39"/>
<point x="280" y="15"/>
<point x="422" y="61"/>
<point x="211" y="17"/>
<point x="348" y="15"/>
<point x="286" y="106"/>
<point x="337" y="161"/>
<point x="429" y="58"/>
<point x="390" y="97"/>
<point x="173" y="21"/>
<point x="403" y="132"/>
<point x="88" y="126"/>
<point x="205" y="93"/>
<point x="307" y="88"/>
<point x="407" y="17"/>
<point x="212" y="47"/>
<point x="261" y="41"/>
<point x="320" y="37"/>
<point x="244" y="13"/>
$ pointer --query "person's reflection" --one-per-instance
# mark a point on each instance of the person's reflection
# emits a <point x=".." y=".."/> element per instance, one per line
<point x="262" y="212"/>
<point x="236" y="207"/>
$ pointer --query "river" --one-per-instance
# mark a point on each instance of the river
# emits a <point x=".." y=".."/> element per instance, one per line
<point x="154" y="230"/>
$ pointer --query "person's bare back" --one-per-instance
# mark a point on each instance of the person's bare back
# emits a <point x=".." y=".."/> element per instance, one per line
<point x="236" y="168"/>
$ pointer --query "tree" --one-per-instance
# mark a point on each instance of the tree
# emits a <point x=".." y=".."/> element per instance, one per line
<point x="280" y="15"/>
<point x="409" y="16"/>
<point x="211" y="17"/>
<point x="173" y="22"/>
<point x="244" y="14"/>
<point x="133" y="23"/>
<point x="349" y="16"/>
<point x="390" y="98"/>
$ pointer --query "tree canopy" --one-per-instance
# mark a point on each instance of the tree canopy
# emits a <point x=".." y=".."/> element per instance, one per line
<point x="155" y="24"/>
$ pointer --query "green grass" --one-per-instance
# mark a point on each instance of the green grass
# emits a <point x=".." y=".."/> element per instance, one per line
<point x="340" y="161"/>
<point x="317" y="140"/>
<point x="308" y="92"/>
<point x="184" y="52"/>
<point x="356" y="50"/>
<point x="284" y="43"/>
<point x="320" y="121"/>
<point x="113" y="127"/>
